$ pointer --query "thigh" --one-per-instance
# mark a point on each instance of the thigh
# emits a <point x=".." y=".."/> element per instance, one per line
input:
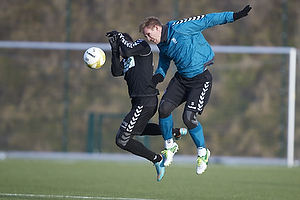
<point x="175" y="92"/>
<point x="199" y="94"/>
<point x="141" y="112"/>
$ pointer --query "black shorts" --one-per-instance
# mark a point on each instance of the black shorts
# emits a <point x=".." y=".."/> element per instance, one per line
<point x="194" y="91"/>
<point x="141" y="112"/>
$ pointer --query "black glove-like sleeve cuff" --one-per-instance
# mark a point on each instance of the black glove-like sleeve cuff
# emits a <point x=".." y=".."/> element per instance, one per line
<point x="242" y="13"/>
<point x="157" y="78"/>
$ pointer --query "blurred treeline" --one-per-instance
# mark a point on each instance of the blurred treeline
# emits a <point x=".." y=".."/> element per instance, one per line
<point x="44" y="105"/>
<point x="35" y="20"/>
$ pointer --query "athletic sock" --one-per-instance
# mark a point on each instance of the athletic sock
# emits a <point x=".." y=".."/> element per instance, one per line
<point x="169" y="143"/>
<point x="157" y="158"/>
<point x="201" y="151"/>
<point x="176" y="132"/>
<point x="197" y="136"/>
<point x="166" y="125"/>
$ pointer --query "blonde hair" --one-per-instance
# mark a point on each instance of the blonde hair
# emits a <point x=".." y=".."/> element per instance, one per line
<point x="149" y="22"/>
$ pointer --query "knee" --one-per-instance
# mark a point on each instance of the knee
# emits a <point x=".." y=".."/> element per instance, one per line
<point x="190" y="119"/>
<point x="165" y="109"/>
<point x="122" y="139"/>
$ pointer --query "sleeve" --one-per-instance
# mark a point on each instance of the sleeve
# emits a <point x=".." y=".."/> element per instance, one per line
<point x="116" y="67"/>
<point x="163" y="64"/>
<point x="203" y="22"/>
<point x="139" y="47"/>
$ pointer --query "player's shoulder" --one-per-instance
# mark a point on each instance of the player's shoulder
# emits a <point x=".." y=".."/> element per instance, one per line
<point x="142" y="42"/>
<point x="186" y="20"/>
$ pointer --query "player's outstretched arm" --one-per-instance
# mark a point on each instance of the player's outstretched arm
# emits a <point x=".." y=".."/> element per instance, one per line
<point x="242" y="13"/>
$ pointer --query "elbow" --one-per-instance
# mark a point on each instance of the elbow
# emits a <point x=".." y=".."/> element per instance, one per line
<point x="116" y="73"/>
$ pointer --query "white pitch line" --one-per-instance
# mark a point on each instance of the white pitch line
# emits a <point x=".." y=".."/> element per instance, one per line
<point x="73" y="197"/>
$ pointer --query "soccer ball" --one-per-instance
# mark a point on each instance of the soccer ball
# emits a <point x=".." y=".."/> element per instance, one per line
<point x="94" y="57"/>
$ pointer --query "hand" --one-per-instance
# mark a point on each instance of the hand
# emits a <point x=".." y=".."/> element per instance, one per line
<point x="242" y="13"/>
<point x="157" y="78"/>
<point x="111" y="33"/>
<point x="114" y="42"/>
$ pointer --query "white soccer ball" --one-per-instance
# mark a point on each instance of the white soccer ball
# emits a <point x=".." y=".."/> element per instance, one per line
<point x="94" y="57"/>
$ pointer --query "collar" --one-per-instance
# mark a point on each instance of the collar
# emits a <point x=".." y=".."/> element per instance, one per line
<point x="164" y="33"/>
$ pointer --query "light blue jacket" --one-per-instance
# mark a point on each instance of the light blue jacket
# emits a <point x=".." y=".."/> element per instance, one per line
<point x="186" y="45"/>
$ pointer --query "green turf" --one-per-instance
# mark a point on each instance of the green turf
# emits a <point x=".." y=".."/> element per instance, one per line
<point x="138" y="180"/>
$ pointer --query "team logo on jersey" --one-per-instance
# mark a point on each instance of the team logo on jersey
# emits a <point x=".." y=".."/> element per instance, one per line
<point x="128" y="63"/>
<point x="174" y="40"/>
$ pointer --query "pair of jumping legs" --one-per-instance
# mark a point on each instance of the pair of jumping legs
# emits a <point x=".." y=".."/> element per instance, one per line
<point x="126" y="141"/>
<point x="136" y="123"/>
<point x="195" y="92"/>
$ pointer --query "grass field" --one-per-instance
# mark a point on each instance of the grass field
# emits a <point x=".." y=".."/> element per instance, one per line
<point x="67" y="180"/>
